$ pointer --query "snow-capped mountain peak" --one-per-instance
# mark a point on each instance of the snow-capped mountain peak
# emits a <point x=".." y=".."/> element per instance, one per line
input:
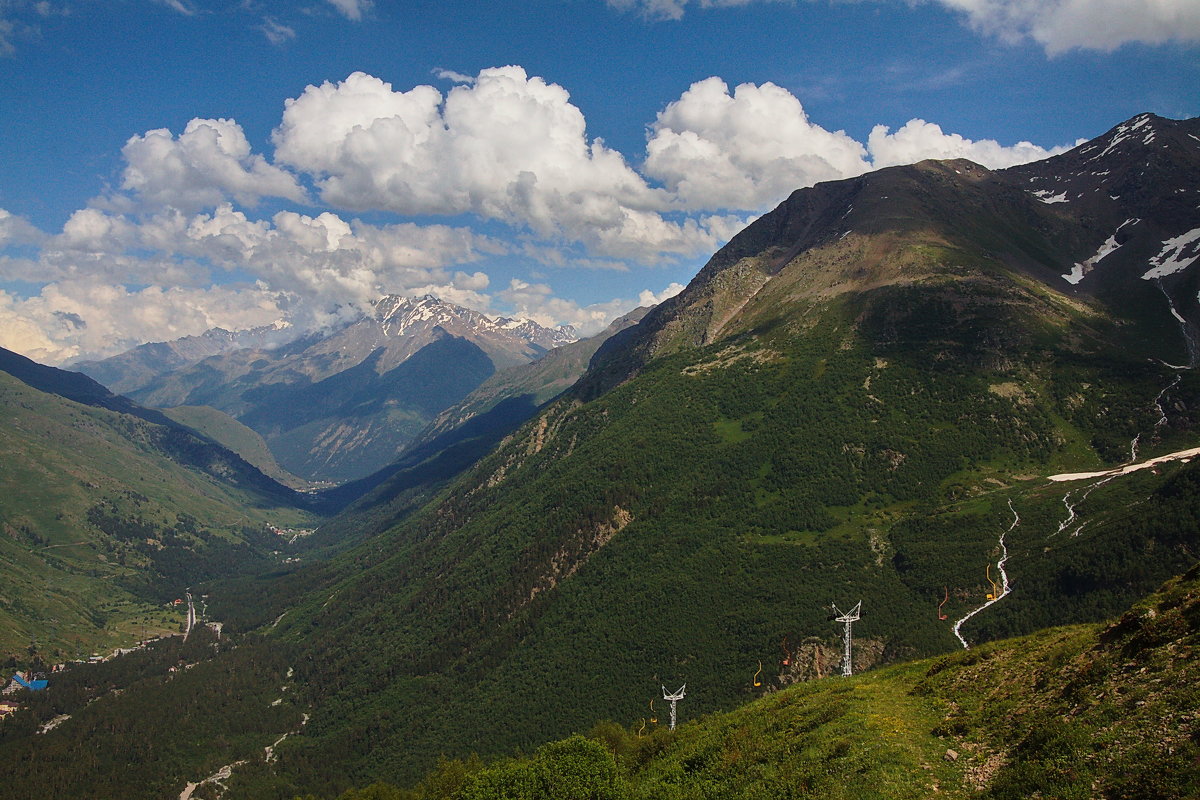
<point x="399" y="315"/>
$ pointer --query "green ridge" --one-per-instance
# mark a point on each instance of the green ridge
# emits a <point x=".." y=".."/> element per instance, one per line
<point x="247" y="443"/>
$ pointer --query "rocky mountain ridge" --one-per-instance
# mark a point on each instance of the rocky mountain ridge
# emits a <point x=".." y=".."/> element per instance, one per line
<point x="1138" y="184"/>
<point x="399" y="315"/>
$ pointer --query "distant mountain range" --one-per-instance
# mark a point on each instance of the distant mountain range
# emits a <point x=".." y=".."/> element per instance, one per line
<point x="129" y="371"/>
<point x="338" y="405"/>
<point x="457" y="438"/>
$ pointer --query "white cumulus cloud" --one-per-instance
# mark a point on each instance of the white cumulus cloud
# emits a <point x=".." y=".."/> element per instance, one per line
<point x="745" y="150"/>
<point x="26" y="334"/>
<point x="87" y="317"/>
<point x="918" y="140"/>
<point x="327" y="258"/>
<point x="649" y="298"/>
<point x="209" y="162"/>
<point x="506" y="146"/>
<point x="17" y="230"/>
<point x="321" y="258"/>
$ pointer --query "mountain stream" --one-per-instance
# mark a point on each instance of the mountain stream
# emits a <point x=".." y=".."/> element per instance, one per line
<point x="1003" y="577"/>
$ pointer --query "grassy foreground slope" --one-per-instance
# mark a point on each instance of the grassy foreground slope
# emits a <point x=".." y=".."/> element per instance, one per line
<point x="1091" y="711"/>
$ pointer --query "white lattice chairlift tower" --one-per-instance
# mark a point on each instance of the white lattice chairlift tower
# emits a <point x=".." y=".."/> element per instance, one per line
<point x="674" y="698"/>
<point x="848" y="618"/>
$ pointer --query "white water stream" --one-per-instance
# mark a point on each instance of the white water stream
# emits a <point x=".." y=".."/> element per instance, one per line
<point x="1189" y="337"/>
<point x="1104" y="476"/>
<point x="1100" y="478"/>
<point x="1003" y="577"/>
<point x="1071" y="506"/>
<point x="1162" y="417"/>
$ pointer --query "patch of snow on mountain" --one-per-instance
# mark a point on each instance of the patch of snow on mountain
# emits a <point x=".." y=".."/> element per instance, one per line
<point x="1174" y="255"/>
<point x="1123" y="132"/>
<point x="1110" y="244"/>
<point x="1045" y="196"/>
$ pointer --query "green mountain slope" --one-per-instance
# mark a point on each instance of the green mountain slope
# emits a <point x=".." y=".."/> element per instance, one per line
<point x="543" y="574"/>
<point x="106" y="515"/>
<point x="1087" y="711"/>
<point x="224" y="429"/>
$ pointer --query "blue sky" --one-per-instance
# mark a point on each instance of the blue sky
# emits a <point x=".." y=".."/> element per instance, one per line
<point x="173" y="165"/>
